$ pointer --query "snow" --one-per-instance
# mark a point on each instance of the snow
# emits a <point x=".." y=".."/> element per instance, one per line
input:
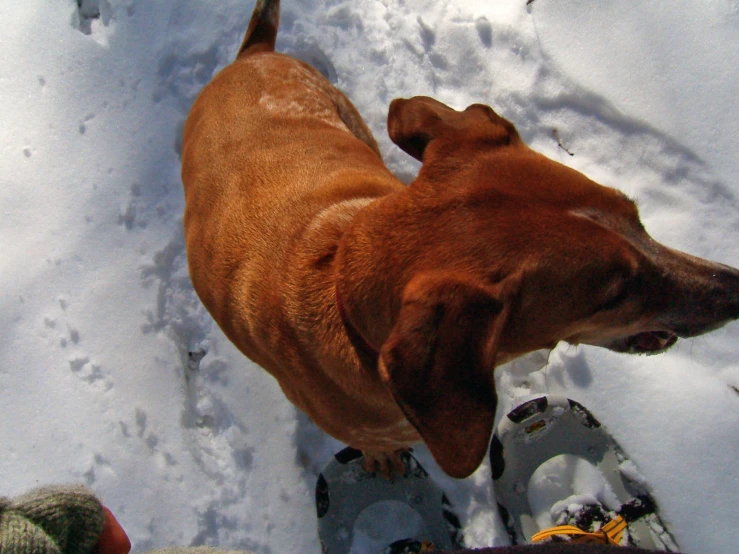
<point x="98" y="314"/>
<point x="567" y="483"/>
<point x="384" y="523"/>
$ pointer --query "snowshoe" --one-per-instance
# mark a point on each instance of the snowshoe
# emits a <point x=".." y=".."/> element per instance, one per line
<point x="361" y="512"/>
<point x="534" y="436"/>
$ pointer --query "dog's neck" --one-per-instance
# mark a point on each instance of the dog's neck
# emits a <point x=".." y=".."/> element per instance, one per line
<point x="374" y="262"/>
<point x="367" y="353"/>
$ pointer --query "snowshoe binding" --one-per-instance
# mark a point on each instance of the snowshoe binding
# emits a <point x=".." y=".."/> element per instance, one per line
<point x="548" y="438"/>
<point x="361" y="512"/>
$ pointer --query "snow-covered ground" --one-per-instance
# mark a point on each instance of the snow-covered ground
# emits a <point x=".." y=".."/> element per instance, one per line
<point x="97" y="314"/>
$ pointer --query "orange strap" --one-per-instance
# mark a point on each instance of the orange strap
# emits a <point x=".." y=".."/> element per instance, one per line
<point x="611" y="533"/>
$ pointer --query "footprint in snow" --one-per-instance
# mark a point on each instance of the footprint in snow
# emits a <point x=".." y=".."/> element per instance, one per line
<point x="89" y="11"/>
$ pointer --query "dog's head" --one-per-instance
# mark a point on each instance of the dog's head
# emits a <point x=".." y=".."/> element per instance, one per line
<point x="520" y="252"/>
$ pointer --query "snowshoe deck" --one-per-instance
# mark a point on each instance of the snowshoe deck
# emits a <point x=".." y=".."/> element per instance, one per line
<point x="546" y="427"/>
<point x="364" y="513"/>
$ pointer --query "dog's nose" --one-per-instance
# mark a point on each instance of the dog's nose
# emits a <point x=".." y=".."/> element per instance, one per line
<point x="704" y="296"/>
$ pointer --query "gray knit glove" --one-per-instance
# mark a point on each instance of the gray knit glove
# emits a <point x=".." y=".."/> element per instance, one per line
<point x="51" y="520"/>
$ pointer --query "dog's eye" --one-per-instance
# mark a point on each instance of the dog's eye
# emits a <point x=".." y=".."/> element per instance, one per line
<point x="617" y="295"/>
<point x="615" y="301"/>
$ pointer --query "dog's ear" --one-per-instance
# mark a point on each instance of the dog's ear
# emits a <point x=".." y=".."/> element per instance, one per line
<point x="438" y="364"/>
<point x="413" y="123"/>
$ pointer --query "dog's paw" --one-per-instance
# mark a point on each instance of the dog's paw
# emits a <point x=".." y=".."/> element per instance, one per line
<point x="389" y="464"/>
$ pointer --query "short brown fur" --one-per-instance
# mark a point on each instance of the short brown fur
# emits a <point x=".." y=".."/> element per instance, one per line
<point x="492" y="252"/>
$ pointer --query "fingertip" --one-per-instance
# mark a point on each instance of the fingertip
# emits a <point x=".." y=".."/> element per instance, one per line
<point x="113" y="539"/>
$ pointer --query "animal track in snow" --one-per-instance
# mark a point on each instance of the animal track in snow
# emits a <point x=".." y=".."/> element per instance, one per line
<point x="84" y="122"/>
<point x="65" y="333"/>
<point x="428" y="36"/>
<point x="57" y="329"/>
<point x="178" y="312"/>
<point x="484" y="30"/>
<point x="98" y="465"/>
<point x="181" y="76"/>
<point x="218" y="440"/>
<point x="127" y="215"/>
<point x="89" y="371"/>
<point x="89" y="11"/>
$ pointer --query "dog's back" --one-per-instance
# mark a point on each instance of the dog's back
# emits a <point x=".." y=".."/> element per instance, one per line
<point x="275" y="163"/>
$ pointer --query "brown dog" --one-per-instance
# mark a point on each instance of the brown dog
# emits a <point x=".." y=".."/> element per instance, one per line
<point x="382" y="310"/>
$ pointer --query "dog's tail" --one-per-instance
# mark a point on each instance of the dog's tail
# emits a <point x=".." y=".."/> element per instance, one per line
<point x="262" y="31"/>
